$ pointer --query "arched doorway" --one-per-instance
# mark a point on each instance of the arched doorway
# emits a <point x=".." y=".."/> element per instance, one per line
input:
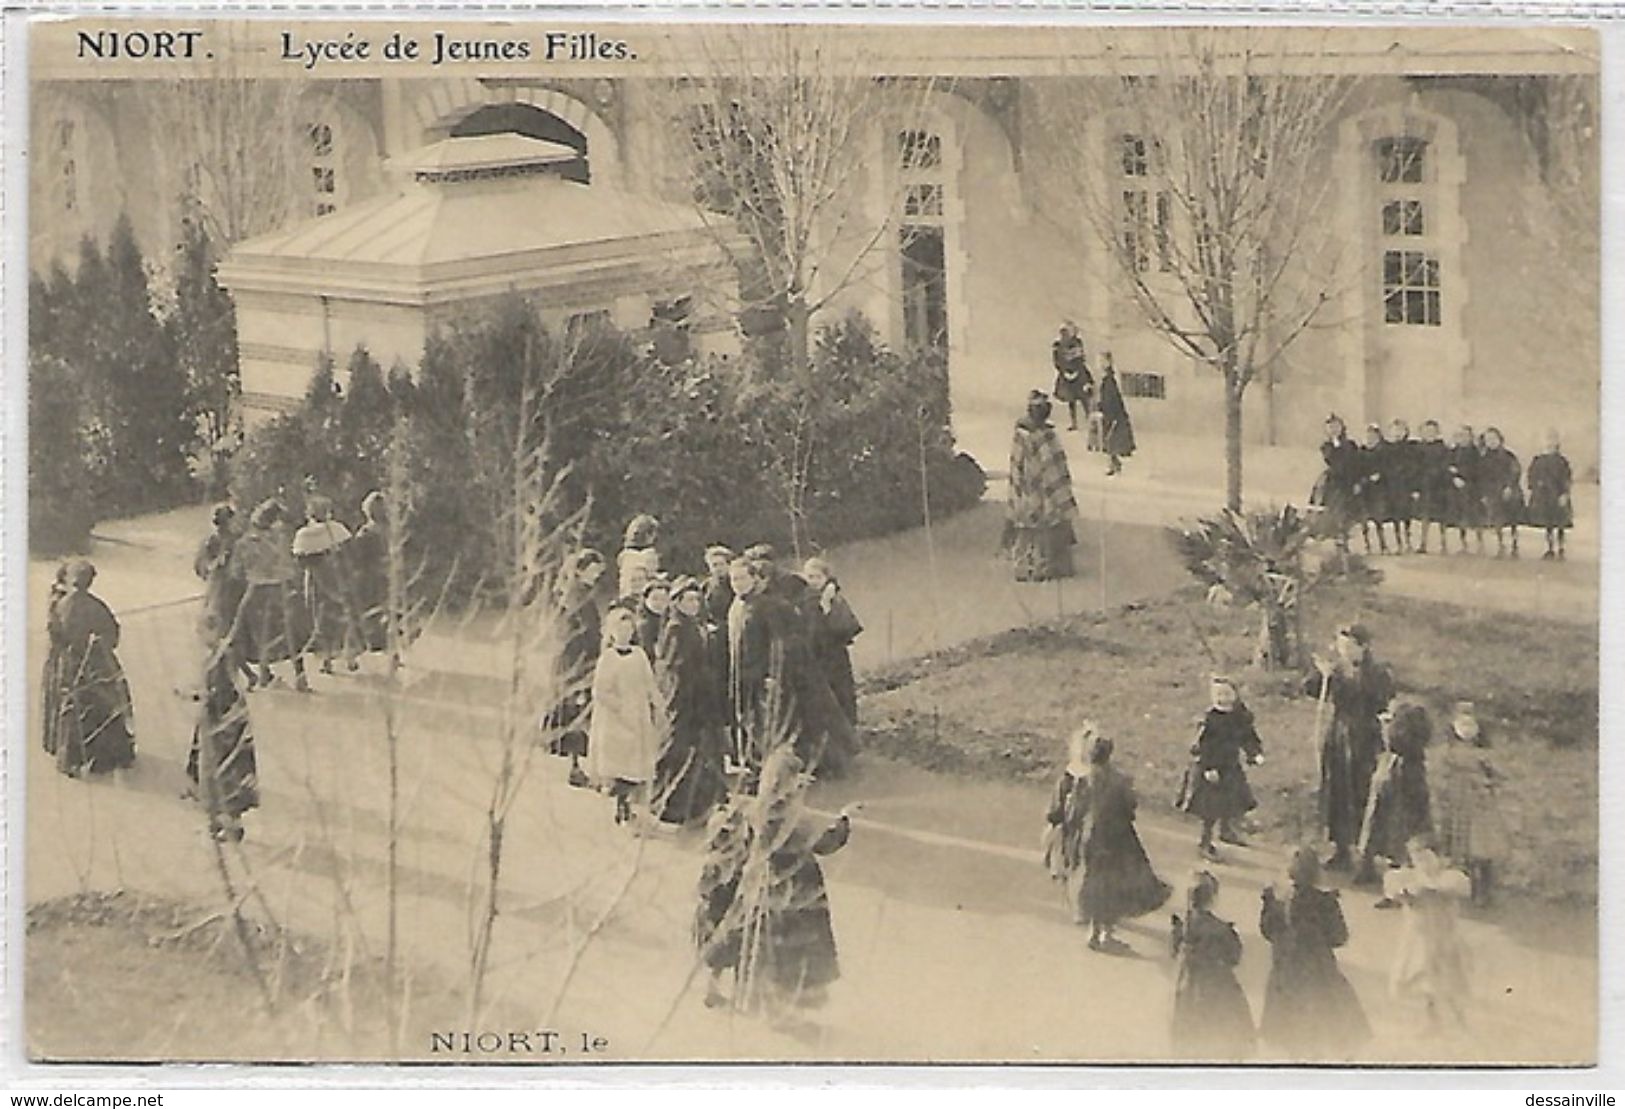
<point x="525" y="119"/>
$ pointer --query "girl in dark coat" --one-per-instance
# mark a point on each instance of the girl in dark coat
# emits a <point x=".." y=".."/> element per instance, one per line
<point x="221" y="763"/>
<point x="1212" y="1019"/>
<point x="1371" y="488"/>
<point x="1334" y="493"/>
<point x="1227" y="742"/>
<point x="1405" y="477"/>
<point x="1398" y="806"/>
<point x="1463" y="509"/>
<point x="1116" y="429"/>
<point x="688" y="775"/>
<point x="834" y="627"/>
<point x="93" y="729"/>
<point x="1500" y="483"/>
<point x="1551" y="505"/>
<point x="1433" y="462"/>
<point x="1117" y="880"/>
<point x="1310" y="1010"/>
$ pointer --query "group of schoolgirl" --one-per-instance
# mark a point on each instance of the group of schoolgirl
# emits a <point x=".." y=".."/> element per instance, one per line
<point x="1403" y="487"/>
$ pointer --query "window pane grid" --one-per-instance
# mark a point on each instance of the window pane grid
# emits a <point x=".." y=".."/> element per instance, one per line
<point x="1410" y="291"/>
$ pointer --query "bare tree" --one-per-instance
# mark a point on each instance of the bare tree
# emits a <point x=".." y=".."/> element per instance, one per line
<point x="239" y="141"/>
<point x="1210" y="206"/>
<point x="772" y="150"/>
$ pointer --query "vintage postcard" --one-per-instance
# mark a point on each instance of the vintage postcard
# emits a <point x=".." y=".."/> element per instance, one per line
<point x="556" y="542"/>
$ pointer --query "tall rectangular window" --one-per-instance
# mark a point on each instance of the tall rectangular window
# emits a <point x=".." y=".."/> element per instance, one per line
<point x="923" y="240"/>
<point x="1410" y="288"/>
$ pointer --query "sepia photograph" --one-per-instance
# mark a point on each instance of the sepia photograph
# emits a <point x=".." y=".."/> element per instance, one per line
<point x="554" y="543"/>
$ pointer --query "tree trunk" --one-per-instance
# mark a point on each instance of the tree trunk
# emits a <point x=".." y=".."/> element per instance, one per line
<point x="798" y="323"/>
<point x="1232" y="441"/>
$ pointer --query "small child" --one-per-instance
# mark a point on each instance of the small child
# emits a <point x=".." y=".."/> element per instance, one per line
<point x="638" y="561"/>
<point x="1462" y="506"/>
<point x="1405" y="481"/>
<point x="1431" y="960"/>
<point x="1226" y="744"/>
<point x="1550" y="505"/>
<point x="1212" y="1019"/>
<point x="1433" y="464"/>
<point x="1471" y="829"/>
<point x="1371" y="487"/>
<point x="1310" y="1009"/>
<point x="1501" y="487"/>
<point x="627" y="730"/>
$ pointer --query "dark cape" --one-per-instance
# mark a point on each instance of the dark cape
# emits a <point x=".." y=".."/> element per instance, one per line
<point x="1309" y="1007"/>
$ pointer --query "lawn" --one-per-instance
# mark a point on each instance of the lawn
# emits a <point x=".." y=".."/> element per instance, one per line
<point x="1002" y="706"/>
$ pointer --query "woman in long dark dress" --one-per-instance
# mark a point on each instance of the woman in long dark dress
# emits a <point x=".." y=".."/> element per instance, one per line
<point x="1310" y="1010"/>
<point x="1227" y="742"/>
<point x="221" y="763"/>
<point x="1212" y="1019"/>
<point x="1117" y="880"/>
<point x="93" y="728"/>
<point x="688" y="774"/>
<point x="1354" y="689"/>
<point x="1117" y="431"/>
<point x="51" y="679"/>
<point x="834" y="628"/>
<point x="1039" y="531"/>
<point x="576" y="595"/>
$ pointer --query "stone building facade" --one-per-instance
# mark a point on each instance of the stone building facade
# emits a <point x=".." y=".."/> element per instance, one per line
<point x="1469" y="298"/>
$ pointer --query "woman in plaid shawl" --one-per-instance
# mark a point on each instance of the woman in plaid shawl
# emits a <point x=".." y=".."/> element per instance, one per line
<point x="1038" y="532"/>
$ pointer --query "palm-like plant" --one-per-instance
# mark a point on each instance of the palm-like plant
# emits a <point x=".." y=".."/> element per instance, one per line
<point x="1255" y="559"/>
